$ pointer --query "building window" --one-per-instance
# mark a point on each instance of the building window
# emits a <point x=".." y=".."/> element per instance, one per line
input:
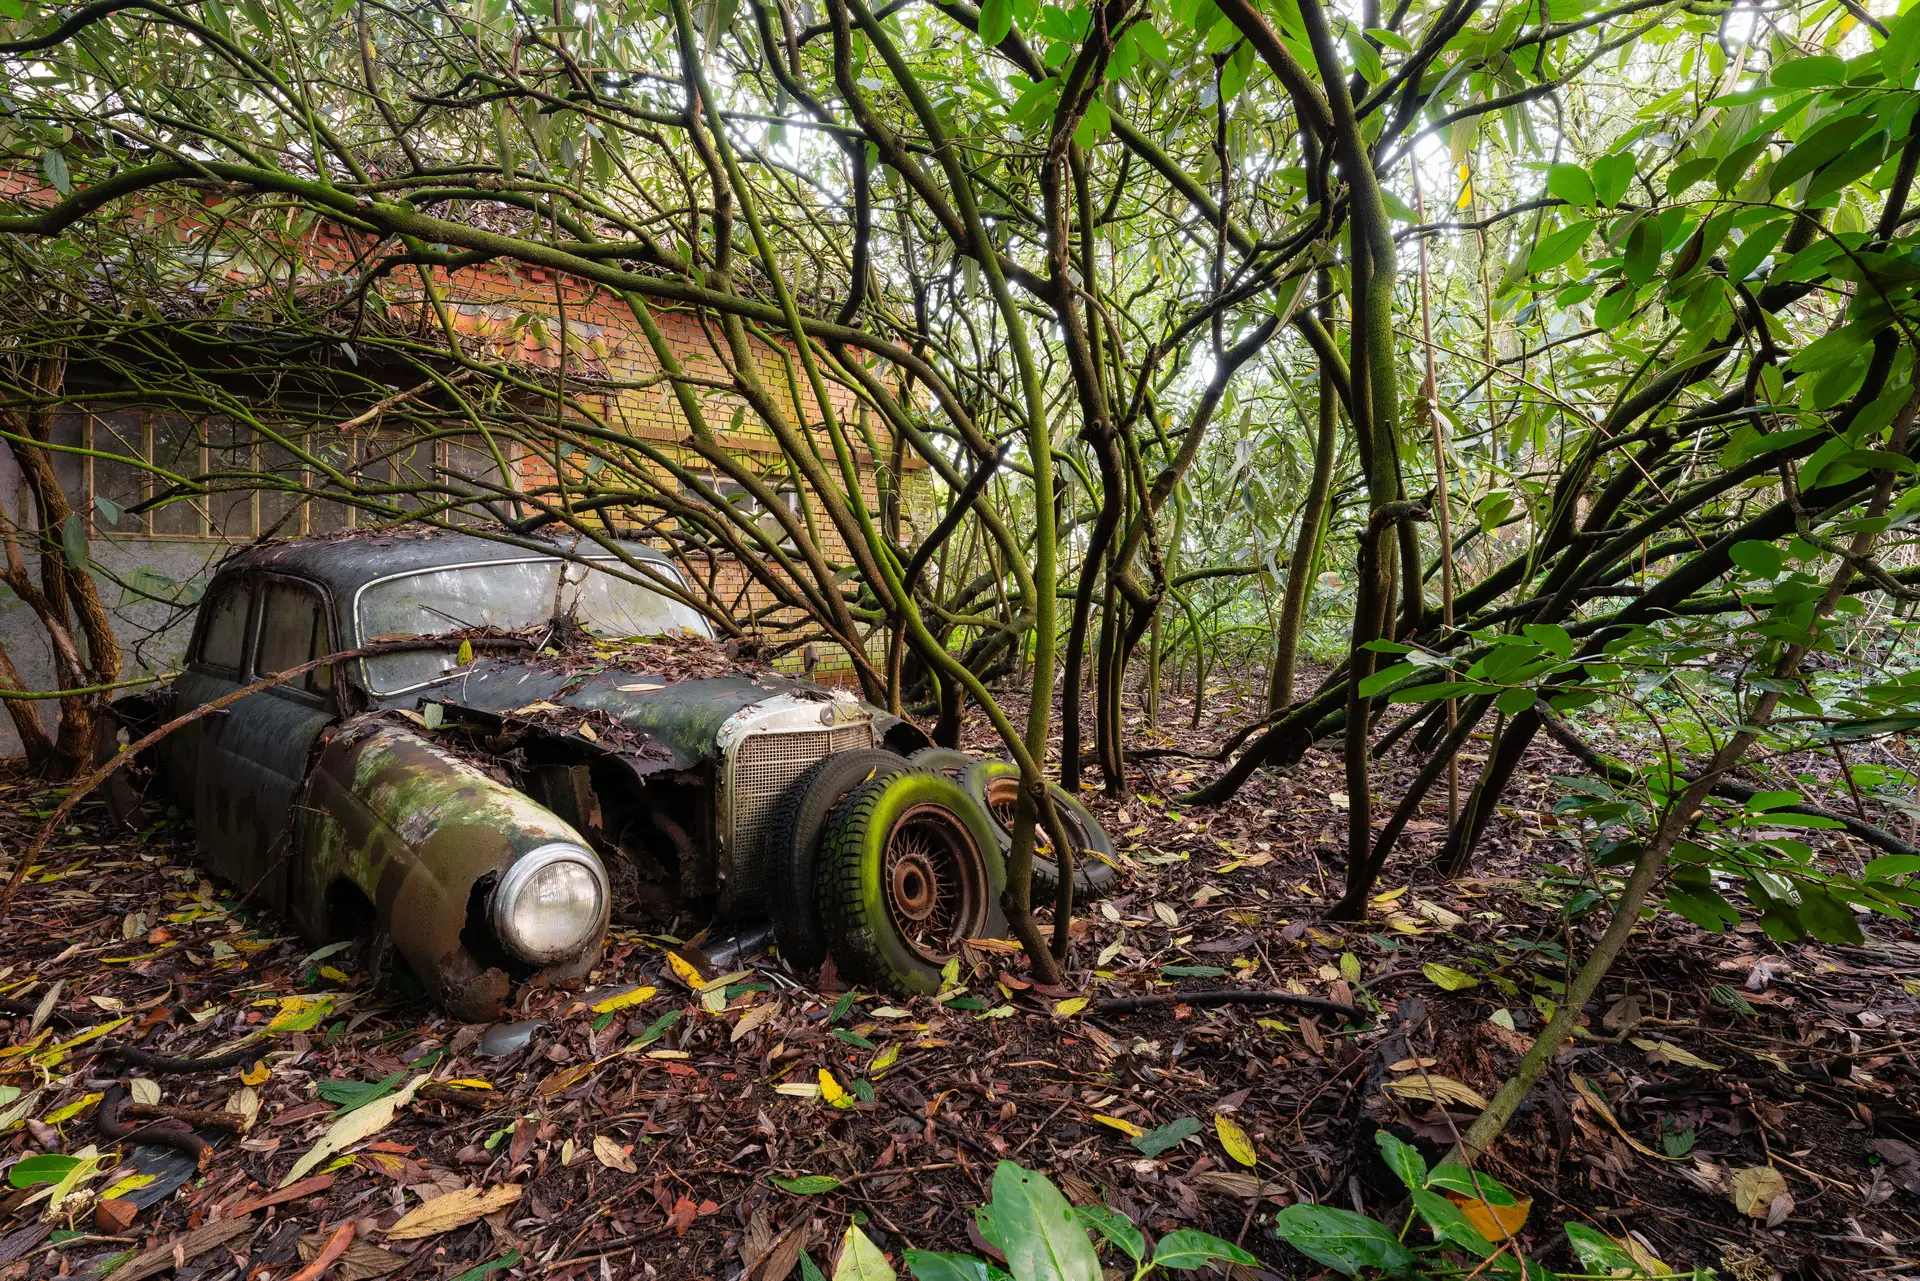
<point x="248" y="503"/>
<point x="745" y="503"/>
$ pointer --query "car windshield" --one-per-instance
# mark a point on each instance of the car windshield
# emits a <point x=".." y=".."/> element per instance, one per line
<point x="509" y="595"/>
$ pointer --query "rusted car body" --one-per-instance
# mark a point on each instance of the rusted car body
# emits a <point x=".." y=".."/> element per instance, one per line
<point x="488" y="815"/>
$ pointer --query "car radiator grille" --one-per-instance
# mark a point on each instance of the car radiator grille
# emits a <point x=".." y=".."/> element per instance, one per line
<point x="763" y="766"/>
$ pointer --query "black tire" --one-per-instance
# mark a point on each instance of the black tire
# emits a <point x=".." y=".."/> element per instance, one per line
<point x="944" y="760"/>
<point x="793" y="847"/>
<point x="909" y="869"/>
<point x="995" y="784"/>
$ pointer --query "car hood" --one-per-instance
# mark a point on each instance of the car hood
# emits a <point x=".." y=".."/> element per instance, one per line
<point x="683" y="716"/>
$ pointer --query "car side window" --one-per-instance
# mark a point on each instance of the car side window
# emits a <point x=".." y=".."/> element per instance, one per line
<point x="293" y="630"/>
<point x="223" y="643"/>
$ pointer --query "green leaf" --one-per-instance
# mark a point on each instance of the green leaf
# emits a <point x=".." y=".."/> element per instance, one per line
<point x="1808" y="73"/>
<point x="1115" y="1227"/>
<point x="73" y="540"/>
<point x="1382" y="679"/>
<point x="13" y="8"/>
<point x="1892" y="865"/>
<point x="1036" y="1229"/>
<point x="1611" y="176"/>
<point x="1762" y="560"/>
<point x="1515" y="701"/>
<point x="1599" y="1253"/>
<point x="1435" y="693"/>
<point x="1340" y="1239"/>
<point x="508" y="1260"/>
<point x="1172" y="1134"/>
<point x="1760" y="802"/>
<point x="1458" y="1178"/>
<point x="1193" y="971"/>
<point x="805" y="1184"/>
<point x="1402" y="1159"/>
<point x="1902" y="49"/>
<point x="32" y="1171"/>
<point x="1551" y="637"/>
<point x="1817" y="149"/>
<point x="1449" y="1224"/>
<point x="1185" y="1248"/>
<point x="1560" y="246"/>
<point x="930" y="1265"/>
<point x="996" y="19"/>
<point x="54" y="162"/>
<point x="1448" y="978"/>
<point x="860" y="1259"/>
<point x="1572" y="184"/>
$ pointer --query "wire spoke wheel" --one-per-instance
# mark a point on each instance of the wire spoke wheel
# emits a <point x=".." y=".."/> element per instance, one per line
<point x="935" y="880"/>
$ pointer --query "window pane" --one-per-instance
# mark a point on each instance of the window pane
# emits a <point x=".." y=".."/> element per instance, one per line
<point x="291" y="632"/>
<point x="176" y="449"/>
<point x="471" y="467"/>
<point x="123" y="484"/>
<point x="226" y="629"/>
<point x="280" y="508"/>
<point x="230" y="462"/>
<point x="397" y="461"/>
<point x="70" y="469"/>
<point x="326" y="515"/>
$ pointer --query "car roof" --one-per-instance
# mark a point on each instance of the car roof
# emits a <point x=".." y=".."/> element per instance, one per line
<point x="345" y="563"/>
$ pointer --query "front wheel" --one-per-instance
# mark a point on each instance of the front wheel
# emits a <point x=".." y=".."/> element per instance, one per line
<point x="909" y="870"/>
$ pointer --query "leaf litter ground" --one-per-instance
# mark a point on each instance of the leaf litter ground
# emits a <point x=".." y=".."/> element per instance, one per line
<point x="1735" y="1103"/>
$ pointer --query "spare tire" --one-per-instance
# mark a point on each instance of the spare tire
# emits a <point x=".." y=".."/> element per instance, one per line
<point x="909" y="870"/>
<point x="793" y="846"/>
<point x="996" y="786"/>
<point x="950" y="761"/>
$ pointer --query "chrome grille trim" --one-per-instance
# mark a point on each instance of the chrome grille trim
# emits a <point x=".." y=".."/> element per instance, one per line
<point x="769" y="748"/>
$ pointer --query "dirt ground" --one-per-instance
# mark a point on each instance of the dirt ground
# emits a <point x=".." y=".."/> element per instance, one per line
<point x="683" y="1134"/>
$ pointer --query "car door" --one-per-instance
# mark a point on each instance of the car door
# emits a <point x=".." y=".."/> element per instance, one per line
<point x="215" y="661"/>
<point x="259" y="754"/>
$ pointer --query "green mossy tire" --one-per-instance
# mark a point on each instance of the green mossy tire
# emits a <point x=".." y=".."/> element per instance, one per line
<point x="1093" y="879"/>
<point x="793" y="847"/>
<point x="863" y="916"/>
<point x="950" y="761"/>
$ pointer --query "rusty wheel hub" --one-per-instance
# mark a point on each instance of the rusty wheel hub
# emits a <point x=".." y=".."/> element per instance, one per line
<point x="935" y="879"/>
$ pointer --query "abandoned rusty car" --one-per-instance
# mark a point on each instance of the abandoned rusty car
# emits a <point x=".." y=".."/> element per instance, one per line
<point x="537" y="742"/>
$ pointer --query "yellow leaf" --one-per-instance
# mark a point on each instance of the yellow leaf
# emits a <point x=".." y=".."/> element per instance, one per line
<point x="1434" y="1088"/>
<point x="1383" y="899"/>
<point x="685" y="970"/>
<point x="144" y="1090"/>
<point x="132" y="1183"/>
<point x="1756" y="1188"/>
<point x="1447" y="977"/>
<point x="1235" y="1140"/>
<point x="1667" y="1050"/>
<point x="612" y="1155"/>
<point x="356" y="1126"/>
<point x="468" y="1083"/>
<point x="55" y="1053"/>
<point x="452" y="1210"/>
<point x="71" y="1110"/>
<point x="623" y="1000"/>
<point x="861" y="1259"/>
<point x="798" y="1089"/>
<point x="1070" y="1007"/>
<point x="1494" y="1222"/>
<point x="833" y="1092"/>
<point x="1121" y="1124"/>
<point x="338" y="976"/>
<point x="257" y="1074"/>
<point x="884" y="1060"/>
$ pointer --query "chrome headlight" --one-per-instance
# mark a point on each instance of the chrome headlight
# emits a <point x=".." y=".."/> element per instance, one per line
<point x="550" y="903"/>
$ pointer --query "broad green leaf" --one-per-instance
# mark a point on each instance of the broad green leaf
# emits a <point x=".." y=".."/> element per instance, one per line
<point x="804" y="1184"/>
<point x="996" y="19"/>
<point x="1572" y="184"/>
<point x="1036" y="1229"/>
<point x="1762" y="560"/>
<point x="1611" y="176"/>
<point x="1458" y="1178"/>
<point x="1448" y="1223"/>
<point x="1445" y="976"/>
<point x="1807" y="73"/>
<point x="1115" y="1227"/>
<point x="1381" y="680"/>
<point x="1172" y="1134"/>
<point x="929" y="1265"/>
<point x="32" y="1171"/>
<point x="1341" y="1239"/>
<point x="1402" y="1159"/>
<point x="860" y="1258"/>
<point x="1186" y="1249"/>
<point x="1560" y="246"/>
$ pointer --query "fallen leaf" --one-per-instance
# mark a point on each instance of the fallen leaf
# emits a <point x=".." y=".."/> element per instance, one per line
<point x="804" y="1184"/>
<point x="1434" y="1088"/>
<point x="1445" y="976"/>
<point x="610" y="1154"/>
<point x="624" y="1000"/>
<point x="454" y="1210"/>
<point x="860" y="1259"/>
<point x="684" y="970"/>
<point x="1757" y="1188"/>
<point x="1121" y="1124"/>
<point x="1235" y="1140"/>
<point x="257" y="1074"/>
<point x="357" y="1125"/>
<point x="832" y="1092"/>
<point x="753" y="1018"/>
<point x="1071" y="1006"/>
<point x="1494" y="1222"/>
<point x="1671" y="1053"/>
